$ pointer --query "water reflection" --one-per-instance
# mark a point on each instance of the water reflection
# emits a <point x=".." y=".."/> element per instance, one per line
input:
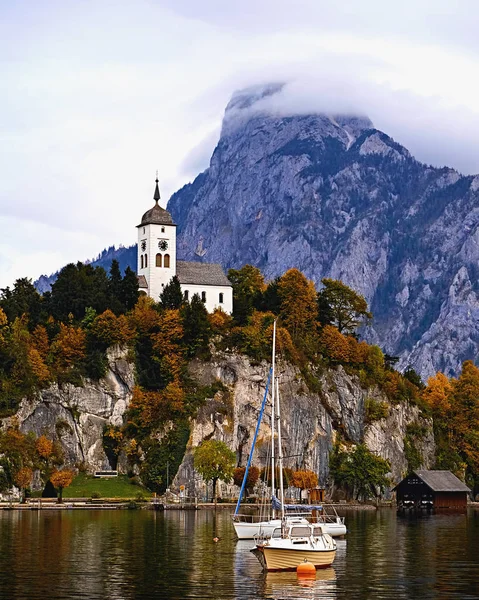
<point x="124" y="555"/>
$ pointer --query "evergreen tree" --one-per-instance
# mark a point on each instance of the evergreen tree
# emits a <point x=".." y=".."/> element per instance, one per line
<point x="196" y="325"/>
<point x="172" y="296"/>
<point x="115" y="281"/>
<point x="129" y="289"/>
<point x="271" y="300"/>
<point x="248" y="286"/>
<point x="23" y="299"/>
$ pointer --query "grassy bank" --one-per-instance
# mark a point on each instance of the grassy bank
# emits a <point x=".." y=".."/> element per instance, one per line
<point x="86" y="486"/>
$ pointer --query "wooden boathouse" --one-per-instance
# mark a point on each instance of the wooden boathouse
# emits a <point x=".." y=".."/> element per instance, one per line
<point x="431" y="490"/>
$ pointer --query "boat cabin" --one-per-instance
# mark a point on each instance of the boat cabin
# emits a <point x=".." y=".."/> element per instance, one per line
<point x="431" y="490"/>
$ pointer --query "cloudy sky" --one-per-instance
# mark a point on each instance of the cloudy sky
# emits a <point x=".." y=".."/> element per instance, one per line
<point x="95" y="95"/>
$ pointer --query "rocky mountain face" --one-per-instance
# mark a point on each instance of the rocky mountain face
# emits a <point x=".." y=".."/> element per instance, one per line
<point x="76" y="416"/>
<point x="335" y="197"/>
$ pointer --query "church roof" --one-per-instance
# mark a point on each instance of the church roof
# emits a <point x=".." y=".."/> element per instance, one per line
<point x="195" y="273"/>
<point x="156" y="215"/>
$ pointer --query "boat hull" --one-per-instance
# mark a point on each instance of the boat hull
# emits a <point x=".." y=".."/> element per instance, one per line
<point x="281" y="559"/>
<point x="248" y="531"/>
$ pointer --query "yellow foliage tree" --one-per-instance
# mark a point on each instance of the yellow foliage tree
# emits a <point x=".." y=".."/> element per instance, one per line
<point x="154" y="408"/>
<point x="44" y="447"/>
<point x="144" y="318"/>
<point x="167" y="342"/>
<point x="23" y="478"/>
<point x="437" y="393"/>
<point x="219" y="320"/>
<point x="40" y="341"/>
<point x="110" y="329"/>
<point x="299" y="307"/>
<point x="304" y="480"/>
<point x="38" y="366"/>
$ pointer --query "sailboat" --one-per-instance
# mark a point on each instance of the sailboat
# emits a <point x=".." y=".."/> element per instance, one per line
<point x="246" y="527"/>
<point x="292" y="543"/>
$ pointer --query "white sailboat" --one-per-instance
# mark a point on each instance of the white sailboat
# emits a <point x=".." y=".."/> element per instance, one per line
<point x="293" y="543"/>
<point x="246" y="527"/>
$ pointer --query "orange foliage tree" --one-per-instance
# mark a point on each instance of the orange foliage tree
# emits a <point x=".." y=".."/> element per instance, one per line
<point x="23" y="478"/>
<point x="110" y="329"/>
<point x="305" y="480"/>
<point x="68" y="347"/>
<point x="335" y="344"/>
<point x="62" y="479"/>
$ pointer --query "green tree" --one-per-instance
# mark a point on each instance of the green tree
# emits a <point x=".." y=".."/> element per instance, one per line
<point x="341" y="306"/>
<point x="214" y="461"/>
<point x="23" y="299"/>
<point x="248" y="286"/>
<point x="115" y="282"/>
<point x="172" y="296"/>
<point x="129" y="289"/>
<point x="362" y="473"/>
<point x="197" y="328"/>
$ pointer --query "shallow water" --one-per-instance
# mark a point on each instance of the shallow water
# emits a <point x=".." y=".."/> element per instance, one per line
<point x="142" y="554"/>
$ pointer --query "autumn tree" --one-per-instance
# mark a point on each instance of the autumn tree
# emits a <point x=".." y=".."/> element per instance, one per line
<point x="341" y="306"/>
<point x="68" y="348"/>
<point x="298" y="303"/>
<point x="251" y="480"/>
<point x="304" y="480"/>
<point x="62" y="479"/>
<point x="214" y="461"/>
<point x="109" y="329"/>
<point x="23" y="478"/>
<point x="335" y="345"/>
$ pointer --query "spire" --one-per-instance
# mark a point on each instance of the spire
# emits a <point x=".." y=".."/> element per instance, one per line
<point x="156" y="196"/>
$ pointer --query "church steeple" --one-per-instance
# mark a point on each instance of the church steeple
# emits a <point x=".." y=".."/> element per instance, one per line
<point x="156" y="196"/>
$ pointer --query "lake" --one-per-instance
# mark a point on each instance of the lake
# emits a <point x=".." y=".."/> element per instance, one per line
<point x="125" y="554"/>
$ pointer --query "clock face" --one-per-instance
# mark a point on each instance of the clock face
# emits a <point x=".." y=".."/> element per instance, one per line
<point x="163" y="245"/>
<point x="143" y="245"/>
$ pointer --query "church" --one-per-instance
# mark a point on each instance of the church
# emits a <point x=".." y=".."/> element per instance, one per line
<point x="157" y="263"/>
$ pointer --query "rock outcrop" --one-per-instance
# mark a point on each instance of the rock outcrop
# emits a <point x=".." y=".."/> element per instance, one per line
<point x="311" y="421"/>
<point x="76" y="416"/>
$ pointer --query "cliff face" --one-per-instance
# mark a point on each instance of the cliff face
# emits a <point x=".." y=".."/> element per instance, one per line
<point x="333" y="196"/>
<point x="76" y="417"/>
<point x="310" y="421"/>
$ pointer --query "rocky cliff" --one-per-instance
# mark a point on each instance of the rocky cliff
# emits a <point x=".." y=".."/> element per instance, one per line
<point x="311" y="421"/>
<point x="76" y="416"/>
<point x="335" y="197"/>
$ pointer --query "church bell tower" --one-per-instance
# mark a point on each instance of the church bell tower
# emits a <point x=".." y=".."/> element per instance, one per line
<point x="156" y="249"/>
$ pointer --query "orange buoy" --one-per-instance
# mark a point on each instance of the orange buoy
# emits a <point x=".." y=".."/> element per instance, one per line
<point x="306" y="569"/>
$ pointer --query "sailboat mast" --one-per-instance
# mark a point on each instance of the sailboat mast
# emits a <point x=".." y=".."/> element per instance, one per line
<point x="280" y="450"/>
<point x="273" y="491"/>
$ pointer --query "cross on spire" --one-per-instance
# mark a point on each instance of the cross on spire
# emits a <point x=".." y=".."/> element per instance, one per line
<point x="156" y="196"/>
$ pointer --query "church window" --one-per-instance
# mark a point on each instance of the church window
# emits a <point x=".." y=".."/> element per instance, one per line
<point x="162" y="230"/>
<point x="186" y="295"/>
<point x="158" y="260"/>
<point x="143" y="230"/>
<point x="146" y="261"/>
<point x="167" y="261"/>
<point x="203" y="296"/>
<point x="221" y="298"/>
<point x="141" y="260"/>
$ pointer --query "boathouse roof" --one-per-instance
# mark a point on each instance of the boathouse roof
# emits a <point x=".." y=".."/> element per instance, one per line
<point x="440" y="481"/>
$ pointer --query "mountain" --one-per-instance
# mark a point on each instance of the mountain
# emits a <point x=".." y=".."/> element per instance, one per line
<point x="126" y="256"/>
<point x="335" y="197"/>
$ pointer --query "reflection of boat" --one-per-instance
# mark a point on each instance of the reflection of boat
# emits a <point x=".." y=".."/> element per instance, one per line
<point x="292" y="543"/>
<point x="284" y="584"/>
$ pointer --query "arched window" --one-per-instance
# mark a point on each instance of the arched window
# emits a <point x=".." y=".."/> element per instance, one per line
<point x="221" y="297"/>
<point x="186" y="295"/>
<point x="162" y="230"/>
<point x="141" y="259"/>
<point x="146" y="261"/>
<point x="167" y="261"/>
<point x="203" y="296"/>
<point x="158" y="260"/>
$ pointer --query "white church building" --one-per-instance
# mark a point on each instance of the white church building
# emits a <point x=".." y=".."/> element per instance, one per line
<point x="157" y="263"/>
